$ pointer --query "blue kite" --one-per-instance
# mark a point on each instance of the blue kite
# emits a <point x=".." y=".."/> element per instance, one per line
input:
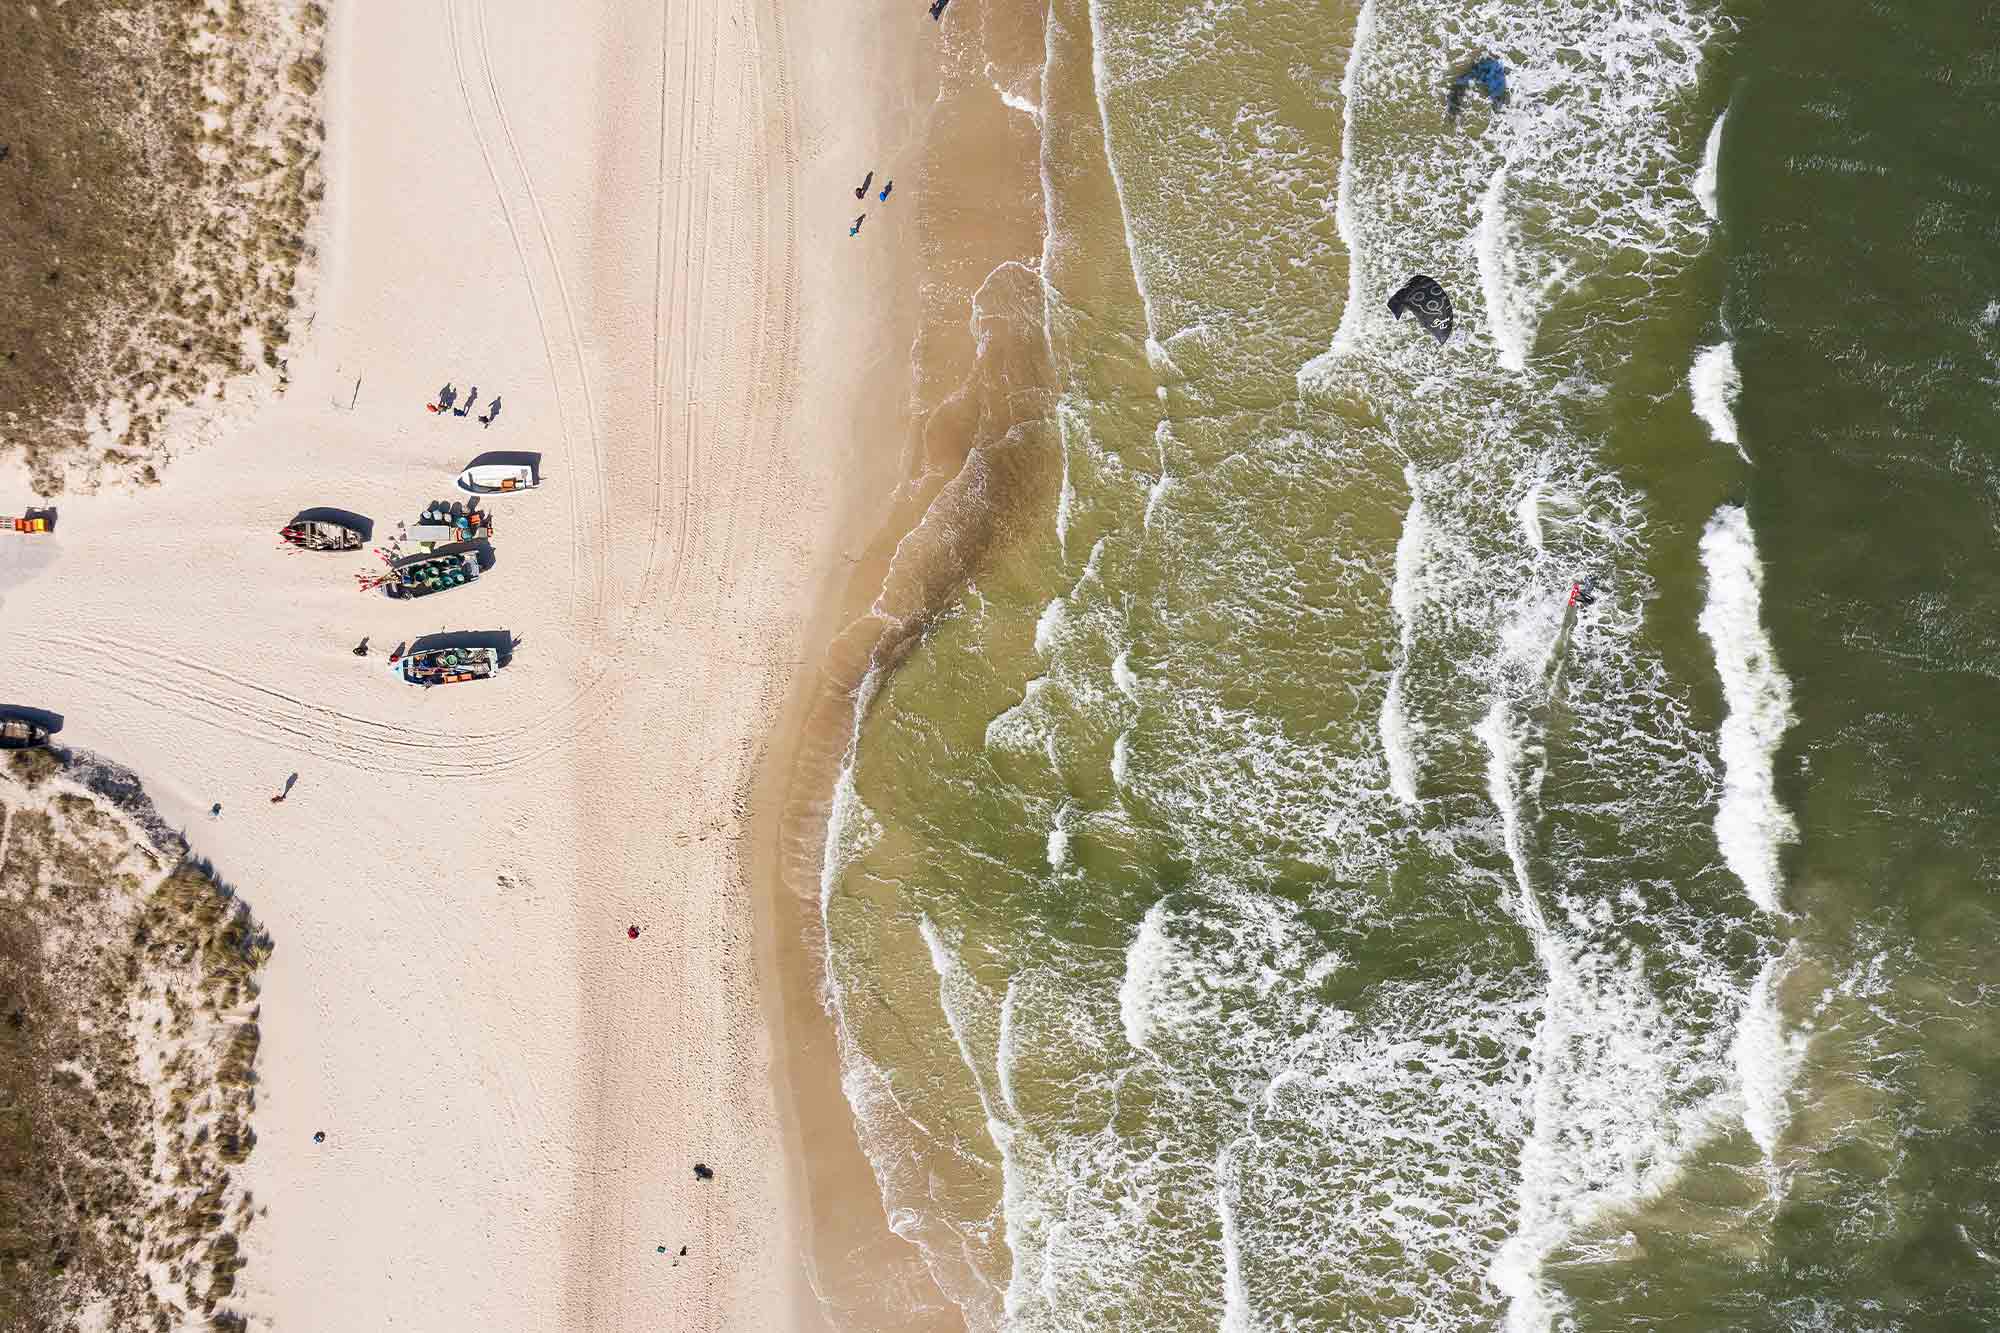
<point x="1488" y="75"/>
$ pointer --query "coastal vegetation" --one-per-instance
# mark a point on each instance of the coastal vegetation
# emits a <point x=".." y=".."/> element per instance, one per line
<point x="157" y="196"/>
<point x="128" y="1049"/>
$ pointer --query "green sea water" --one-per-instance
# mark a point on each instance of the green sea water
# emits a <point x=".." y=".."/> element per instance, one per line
<point x="1259" y="898"/>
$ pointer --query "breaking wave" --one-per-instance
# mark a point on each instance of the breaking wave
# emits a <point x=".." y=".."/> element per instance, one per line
<point x="1751" y="825"/>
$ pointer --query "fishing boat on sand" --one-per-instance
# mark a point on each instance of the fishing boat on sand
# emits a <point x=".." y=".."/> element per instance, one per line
<point x="445" y="521"/>
<point x="449" y="666"/>
<point x="501" y="471"/>
<point x="496" y="479"/>
<point x="18" y="731"/>
<point x="449" y="566"/>
<point x="321" y="530"/>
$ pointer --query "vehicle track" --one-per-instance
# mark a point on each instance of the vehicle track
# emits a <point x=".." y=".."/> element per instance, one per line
<point x="600" y="486"/>
<point x="254" y="710"/>
<point x="534" y="297"/>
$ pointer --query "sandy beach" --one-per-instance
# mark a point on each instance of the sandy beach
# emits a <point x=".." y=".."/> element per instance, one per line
<point x="629" y="226"/>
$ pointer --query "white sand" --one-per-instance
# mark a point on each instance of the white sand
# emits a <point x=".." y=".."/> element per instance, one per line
<point x="629" y="221"/>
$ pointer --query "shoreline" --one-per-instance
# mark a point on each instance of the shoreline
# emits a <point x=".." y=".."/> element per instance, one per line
<point x="963" y="394"/>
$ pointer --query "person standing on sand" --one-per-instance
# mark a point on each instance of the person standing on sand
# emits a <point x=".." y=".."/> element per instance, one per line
<point x="471" y="401"/>
<point x="492" y="411"/>
<point x="856" y="228"/>
<point x="861" y="190"/>
<point x="884" y="196"/>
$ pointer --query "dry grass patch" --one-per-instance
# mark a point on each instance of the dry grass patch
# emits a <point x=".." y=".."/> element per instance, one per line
<point x="155" y="201"/>
<point x="128" y="1047"/>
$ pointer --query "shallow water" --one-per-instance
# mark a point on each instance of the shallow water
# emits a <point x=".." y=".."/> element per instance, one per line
<point x="1259" y="898"/>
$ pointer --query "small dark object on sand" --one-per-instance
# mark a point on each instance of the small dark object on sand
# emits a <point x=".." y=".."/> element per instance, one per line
<point x="631" y="932"/>
<point x="702" y="1172"/>
<point x="319" y="1137"/>
<point x="5" y="151"/>
<point x="215" y="811"/>
<point x="861" y="190"/>
<point x="361" y="649"/>
<point x="937" y="9"/>
<point x="856" y="228"/>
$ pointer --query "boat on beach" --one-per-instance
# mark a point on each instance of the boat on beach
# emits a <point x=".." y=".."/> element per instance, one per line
<point x="446" y="521"/>
<point x="496" y="479"/>
<point x="18" y="731"/>
<point x="321" y="530"/>
<point x="501" y="471"/>
<point x="449" y="666"/>
<point x="449" y="566"/>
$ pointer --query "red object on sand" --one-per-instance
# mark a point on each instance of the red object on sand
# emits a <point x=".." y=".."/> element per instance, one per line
<point x="631" y="932"/>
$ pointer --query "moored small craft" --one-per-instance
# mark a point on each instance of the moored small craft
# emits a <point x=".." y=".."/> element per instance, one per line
<point x="449" y="666"/>
<point x="34" y="521"/>
<point x="449" y="566"/>
<point x="18" y="731"/>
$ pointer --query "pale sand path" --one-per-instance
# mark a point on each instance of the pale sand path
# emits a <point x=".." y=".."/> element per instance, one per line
<point x="594" y="209"/>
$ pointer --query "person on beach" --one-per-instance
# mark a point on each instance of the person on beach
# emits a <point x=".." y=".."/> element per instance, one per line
<point x="215" y="811"/>
<point x="937" y="9"/>
<point x="446" y="397"/>
<point x="884" y="196"/>
<point x="492" y="411"/>
<point x="855" y="230"/>
<point x="471" y="401"/>
<point x="861" y="190"/>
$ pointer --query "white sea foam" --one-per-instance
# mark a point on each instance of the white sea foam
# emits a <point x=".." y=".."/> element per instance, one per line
<point x="1065" y="498"/>
<point x="1013" y="100"/>
<point x="1236" y="1317"/>
<point x="1706" y="179"/>
<point x="1509" y="319"/>
<point x="1058" y="844"/>
<point x="1049" y="626"/>
<point x="1750" y="823"/>
<point x="1393" y="725"/>
<point x="1343" y="209"/>
<point x="1767" y="1056"/>
<point x="1154" y="495"/>
<point x="1124" y="677"/>
<point x="1121" y="756"/>
<point x="1145" y="960"/>
<point x="1529" y="514"/>
<point x="1714" y="384"/>
<point x="1004" y="1058"/>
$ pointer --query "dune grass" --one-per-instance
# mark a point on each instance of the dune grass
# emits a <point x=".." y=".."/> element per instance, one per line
<point x="128" y="1049"/>
<point x="156" y="195"/>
